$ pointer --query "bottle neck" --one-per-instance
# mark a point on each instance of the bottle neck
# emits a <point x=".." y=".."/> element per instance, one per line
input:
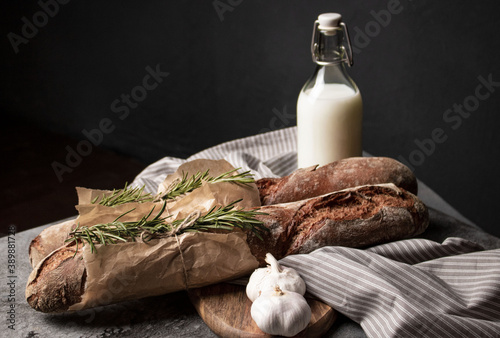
<point x="331" y="57"/>
<point x="329" y="49"/>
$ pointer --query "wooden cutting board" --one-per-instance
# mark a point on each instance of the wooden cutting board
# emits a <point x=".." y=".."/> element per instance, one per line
<point x="225" y="308"/>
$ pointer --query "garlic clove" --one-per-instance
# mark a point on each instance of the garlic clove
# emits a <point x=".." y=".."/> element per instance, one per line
<point x="254" y="285"/>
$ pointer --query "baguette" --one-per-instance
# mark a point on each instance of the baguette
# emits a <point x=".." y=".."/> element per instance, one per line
<point x="48" y="240"/>
<point x="346" y="173"/>
<point x="355" y="217"/>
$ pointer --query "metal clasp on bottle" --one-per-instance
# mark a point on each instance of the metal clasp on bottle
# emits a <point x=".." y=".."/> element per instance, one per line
<point x="346" y="54"/>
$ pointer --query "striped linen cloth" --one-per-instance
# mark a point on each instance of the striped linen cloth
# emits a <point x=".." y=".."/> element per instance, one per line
<point x="411" y="288"/>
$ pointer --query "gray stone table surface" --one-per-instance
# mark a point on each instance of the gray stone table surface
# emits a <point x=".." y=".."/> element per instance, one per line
<point x="171" y="315"/>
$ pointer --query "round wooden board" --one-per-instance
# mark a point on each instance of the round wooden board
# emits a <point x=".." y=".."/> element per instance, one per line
<point x="225" y="308"/>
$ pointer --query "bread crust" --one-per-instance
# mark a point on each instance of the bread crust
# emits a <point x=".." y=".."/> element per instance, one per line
<point x="346" y="173"/>
<point x="58" y="281"/>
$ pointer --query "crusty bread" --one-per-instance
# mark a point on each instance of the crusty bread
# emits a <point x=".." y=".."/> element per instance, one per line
<point x="354" y="217"/>
<point x="301" y="184"/>
<point x="346" y="173"/>
<point x="58" y="281"/>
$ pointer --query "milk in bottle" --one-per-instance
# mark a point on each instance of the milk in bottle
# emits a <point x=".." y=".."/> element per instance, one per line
<point x="329" y="107"/>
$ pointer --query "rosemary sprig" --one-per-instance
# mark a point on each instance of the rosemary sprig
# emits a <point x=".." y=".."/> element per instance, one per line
<point x="184" y="185"/>
<point x="225" y="218"/>
<point x="125" y="195"/>
<point x="187" y="184"/>
<point x="112" y="232"/>
<point x="243" y="178"/>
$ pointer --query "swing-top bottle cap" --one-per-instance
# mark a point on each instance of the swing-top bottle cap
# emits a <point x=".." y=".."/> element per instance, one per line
<point x="329" y="21"/>
<point x="328" y="24"/>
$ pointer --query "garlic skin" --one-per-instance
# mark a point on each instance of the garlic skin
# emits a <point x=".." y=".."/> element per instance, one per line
<point x="281" y="312"/>
<point x="274" y="274"/>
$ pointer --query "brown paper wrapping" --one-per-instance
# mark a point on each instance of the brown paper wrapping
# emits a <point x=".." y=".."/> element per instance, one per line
<point x="135" y="270"/>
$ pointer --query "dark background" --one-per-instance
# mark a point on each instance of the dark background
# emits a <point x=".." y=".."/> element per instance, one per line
<point x="233" y="66"/>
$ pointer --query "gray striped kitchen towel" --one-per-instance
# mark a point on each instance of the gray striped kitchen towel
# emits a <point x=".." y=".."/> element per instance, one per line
<point x="412" y="288"/>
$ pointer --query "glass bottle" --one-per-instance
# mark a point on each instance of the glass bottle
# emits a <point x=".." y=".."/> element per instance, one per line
<point x="329" y="106"/>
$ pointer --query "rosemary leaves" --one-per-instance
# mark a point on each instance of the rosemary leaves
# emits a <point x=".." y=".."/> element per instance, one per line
<point x="125" y="195"/>
<point x="182" y="186"/>
<point x="221" y="218"/>
<point x="187" y="184"/>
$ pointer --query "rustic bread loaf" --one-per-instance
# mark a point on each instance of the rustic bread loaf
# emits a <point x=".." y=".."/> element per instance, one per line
<point x="355" y="217"/>
<point x="346" y="173"/>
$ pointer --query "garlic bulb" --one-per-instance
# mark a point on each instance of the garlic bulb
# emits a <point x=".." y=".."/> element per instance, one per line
<point x="272" y="275"/>
<point x="281" y="312"/>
